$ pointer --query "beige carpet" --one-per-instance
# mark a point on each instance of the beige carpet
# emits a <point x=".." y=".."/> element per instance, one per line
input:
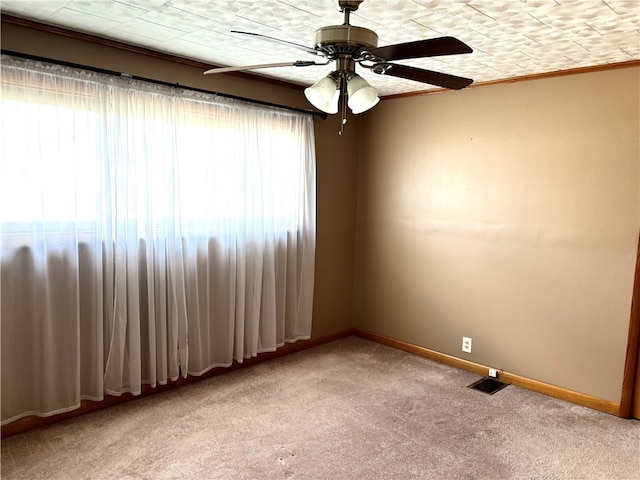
<point x="351" y="409"/>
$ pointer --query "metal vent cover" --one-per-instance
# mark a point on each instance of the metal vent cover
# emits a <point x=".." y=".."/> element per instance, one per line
<point x="488" y="385"/>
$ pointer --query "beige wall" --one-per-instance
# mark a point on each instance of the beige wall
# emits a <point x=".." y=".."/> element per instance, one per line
<point x="336" y="156"/>
<point x="337" y="178"/>
<point x="508" y="214"/>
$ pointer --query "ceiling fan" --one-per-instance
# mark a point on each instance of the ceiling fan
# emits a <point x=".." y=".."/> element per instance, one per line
<point x="349" y="45"/>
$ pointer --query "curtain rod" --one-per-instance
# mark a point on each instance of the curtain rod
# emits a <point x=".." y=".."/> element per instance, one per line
<point x="160" y="82"/>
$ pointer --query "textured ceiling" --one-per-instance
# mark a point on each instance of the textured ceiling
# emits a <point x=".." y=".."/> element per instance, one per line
<point x="510" y="38"/>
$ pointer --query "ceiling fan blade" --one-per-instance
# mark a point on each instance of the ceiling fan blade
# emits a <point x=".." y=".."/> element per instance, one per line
<point x="299" y="63"/>
<point x="432" y="47"/>
<point x="310" y="50"/>
<point x="426" y="76"/>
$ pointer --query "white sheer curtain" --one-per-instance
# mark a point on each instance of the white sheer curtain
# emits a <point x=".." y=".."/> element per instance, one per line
<point x="145" y="233"/>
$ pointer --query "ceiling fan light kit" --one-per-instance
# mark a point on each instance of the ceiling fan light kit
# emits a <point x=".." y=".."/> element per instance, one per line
<point x="342" y="82"/>
<point x="349" y="45"/>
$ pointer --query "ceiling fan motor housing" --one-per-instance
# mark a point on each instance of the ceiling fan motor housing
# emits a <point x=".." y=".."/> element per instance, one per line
<point x="338" y="40"/>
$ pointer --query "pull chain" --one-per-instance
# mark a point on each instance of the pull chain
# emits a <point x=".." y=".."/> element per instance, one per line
<point x="343" y="104"/>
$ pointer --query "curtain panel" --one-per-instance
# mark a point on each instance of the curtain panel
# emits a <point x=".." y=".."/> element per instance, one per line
<point x="146" y="233"/>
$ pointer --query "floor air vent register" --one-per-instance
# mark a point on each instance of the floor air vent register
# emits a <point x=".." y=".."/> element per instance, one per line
<point x="488" y="385"/>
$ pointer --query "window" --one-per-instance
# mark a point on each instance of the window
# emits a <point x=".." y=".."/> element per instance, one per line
<point x="145" y="232"/>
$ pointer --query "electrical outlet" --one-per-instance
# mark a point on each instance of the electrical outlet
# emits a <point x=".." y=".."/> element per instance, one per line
<point x="466" y="344"/>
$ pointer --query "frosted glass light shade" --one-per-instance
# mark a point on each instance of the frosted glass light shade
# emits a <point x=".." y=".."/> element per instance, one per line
<point x="362" y="96"/>
<point x="324" y="95"/>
